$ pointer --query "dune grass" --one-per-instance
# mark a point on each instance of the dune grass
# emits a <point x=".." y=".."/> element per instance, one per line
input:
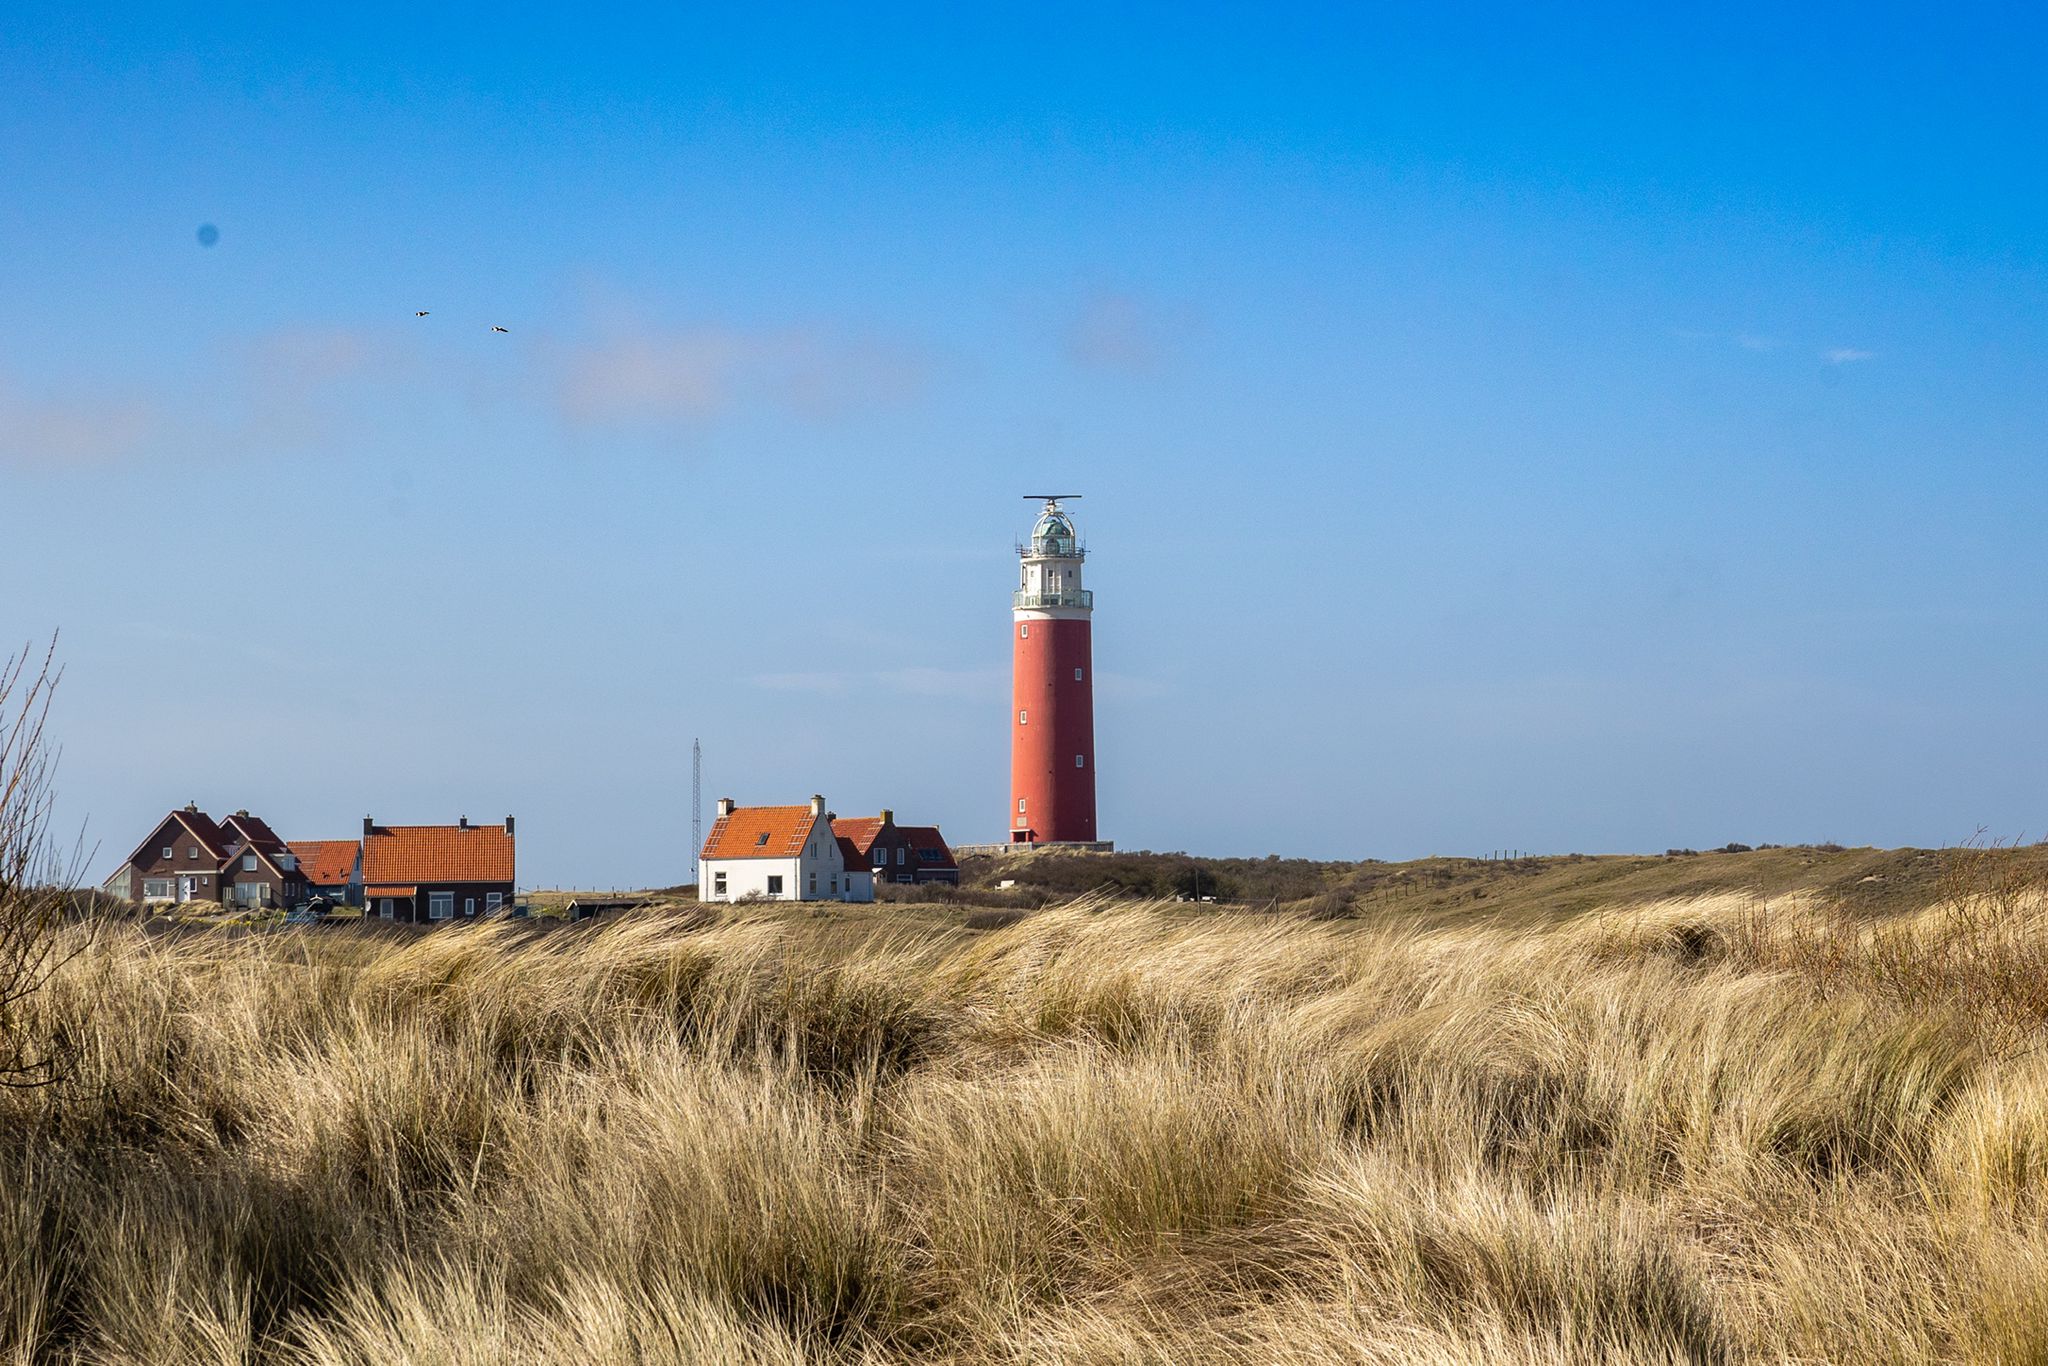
<point x="1698" y="1131"/>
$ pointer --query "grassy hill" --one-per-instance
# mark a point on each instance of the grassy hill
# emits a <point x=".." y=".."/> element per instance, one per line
<point x="1529" y="889"/>
<point x="1788" y="1105"/>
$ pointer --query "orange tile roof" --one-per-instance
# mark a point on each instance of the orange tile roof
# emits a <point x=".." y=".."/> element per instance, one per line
<point x="437" y="853"/>
<point x="390" y="891"/>
<point x="325" y="863"/>
<point x="861" y="830"/>
<point x="761" y="832"/>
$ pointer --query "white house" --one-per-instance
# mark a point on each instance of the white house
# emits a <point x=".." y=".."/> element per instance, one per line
<point x="780" y="853"/>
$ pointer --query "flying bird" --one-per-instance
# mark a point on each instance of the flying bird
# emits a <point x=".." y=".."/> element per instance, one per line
<point x="496" y="328"/>
<point x="421" y="314"/>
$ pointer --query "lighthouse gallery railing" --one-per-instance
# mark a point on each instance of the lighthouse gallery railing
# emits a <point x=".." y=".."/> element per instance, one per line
<point x="1080" y="597"/>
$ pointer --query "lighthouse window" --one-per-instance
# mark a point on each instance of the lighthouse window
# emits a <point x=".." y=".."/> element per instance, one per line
<point x="1078" y="762"/>
<point x="1024" y="631"/>
<point x="1020" y="806"/>
<point x="1023" y="718"/>
<point x="1077" y="675"/>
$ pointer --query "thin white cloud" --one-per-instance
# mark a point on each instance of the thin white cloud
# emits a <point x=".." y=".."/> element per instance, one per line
<point x="1846" y="355"/>
<point x="74" y="428"/>
<point x="638" y="374"/>
<point x="913" y="682"/>
<point x="1750" y="341"/>
<point x="822" y="683"/>
<point x="1123" y="333"/>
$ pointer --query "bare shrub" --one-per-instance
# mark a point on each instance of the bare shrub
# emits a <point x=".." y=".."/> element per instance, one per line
<point x="33" y="879"/>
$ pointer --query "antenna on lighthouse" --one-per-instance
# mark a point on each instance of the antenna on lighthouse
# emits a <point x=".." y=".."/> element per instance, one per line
<point x="1048" y="497"/>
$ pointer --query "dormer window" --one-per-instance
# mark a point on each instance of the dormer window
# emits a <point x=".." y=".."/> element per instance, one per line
<point x="248" y="863"/>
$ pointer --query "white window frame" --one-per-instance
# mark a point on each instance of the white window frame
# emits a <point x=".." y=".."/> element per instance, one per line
<point x="444" y="902"/>
<point x="492" y="901"/>
<point x="1077" y="675"/>
<point x="1079" y="761"/>
<point x="384" y="911"/>
<point x="899" y="856"/>
<point x="1024" y="717"/>
<point x="1024" y="631"/>
<point x="248" y="863"/>
<point x="170" y="851"/>
<point x="469" y="907"/>
<point x="192" y="851"/>
<point x="1020" y="806"/>
<point x="166" y="888"/>
<point x="718" y="884"/>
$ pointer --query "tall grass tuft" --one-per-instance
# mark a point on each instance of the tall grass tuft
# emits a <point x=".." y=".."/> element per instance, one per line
<point x="1700" y="1131"/>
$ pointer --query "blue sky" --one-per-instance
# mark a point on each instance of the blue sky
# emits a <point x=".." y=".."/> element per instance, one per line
<point x="1584" y="428"/>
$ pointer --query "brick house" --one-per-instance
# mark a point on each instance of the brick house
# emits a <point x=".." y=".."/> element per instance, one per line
<point x="331" y="869"/>
<point x="434" y="873"/>
<point x="180" y="860"/>
<point x="899" y="853"/>
<point x="190" y="857"/>
<point x="256" y="867"/>
<point x="780" y="853"/>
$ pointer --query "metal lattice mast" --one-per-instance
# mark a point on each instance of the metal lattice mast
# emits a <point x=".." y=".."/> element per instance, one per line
<point x="696" y="808"/>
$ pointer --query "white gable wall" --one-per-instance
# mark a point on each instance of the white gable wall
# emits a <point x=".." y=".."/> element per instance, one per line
<point x="815" y="874"/>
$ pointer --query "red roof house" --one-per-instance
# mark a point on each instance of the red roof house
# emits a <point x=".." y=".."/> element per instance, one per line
<point x="779" y="853"/>
<point x="433" y="873"/>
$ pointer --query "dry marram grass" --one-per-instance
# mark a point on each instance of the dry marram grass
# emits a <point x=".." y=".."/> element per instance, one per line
<point x="1104" y="1133"/>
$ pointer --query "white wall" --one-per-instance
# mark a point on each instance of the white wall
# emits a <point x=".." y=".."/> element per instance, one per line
<point x="815" y="874"/>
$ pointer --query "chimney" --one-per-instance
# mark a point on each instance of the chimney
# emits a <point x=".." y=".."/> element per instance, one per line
<point x="817" y="805"/>
<point x="724" y="807"/>
<point x="508" y="827"/>
<point x="369" y="827"/>
<point x="192" y="806"/>
<point x="462" y="823"/>
<point x="888" y="816"/>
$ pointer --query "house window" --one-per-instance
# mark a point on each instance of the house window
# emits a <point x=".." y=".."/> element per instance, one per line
<point x="493" y="900"/>
<point x="248" y="863"/>
<point x="814" y="884"/>
<point x="193" y="852"/>
<point x="440" y="905"/>
<point x="760" y="839"/>
<point x="835" y="884"/>
<point x="775" y="886"/>
<point x="156" y="889"/>
<point x="928" y="855"/>
<point x="469" y="905"/>
<point x="384" y="907"/>
<point x="1077" y="675"/>
<point x="170" y="852"/>
<point x="1023" y="718"/>
<point x="718" y="884"/>
<point x="899" y="856"/>
<point x="1079" y="762"/>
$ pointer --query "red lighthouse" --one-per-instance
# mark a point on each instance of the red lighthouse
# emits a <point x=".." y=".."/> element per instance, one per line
<point x="1052" y="706"/>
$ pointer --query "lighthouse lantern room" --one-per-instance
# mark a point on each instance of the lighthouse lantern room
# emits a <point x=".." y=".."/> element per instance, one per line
<point x="1052" y="716"/>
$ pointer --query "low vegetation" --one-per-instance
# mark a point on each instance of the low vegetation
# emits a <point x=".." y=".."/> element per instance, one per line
<point x="1704" y="1127"/>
